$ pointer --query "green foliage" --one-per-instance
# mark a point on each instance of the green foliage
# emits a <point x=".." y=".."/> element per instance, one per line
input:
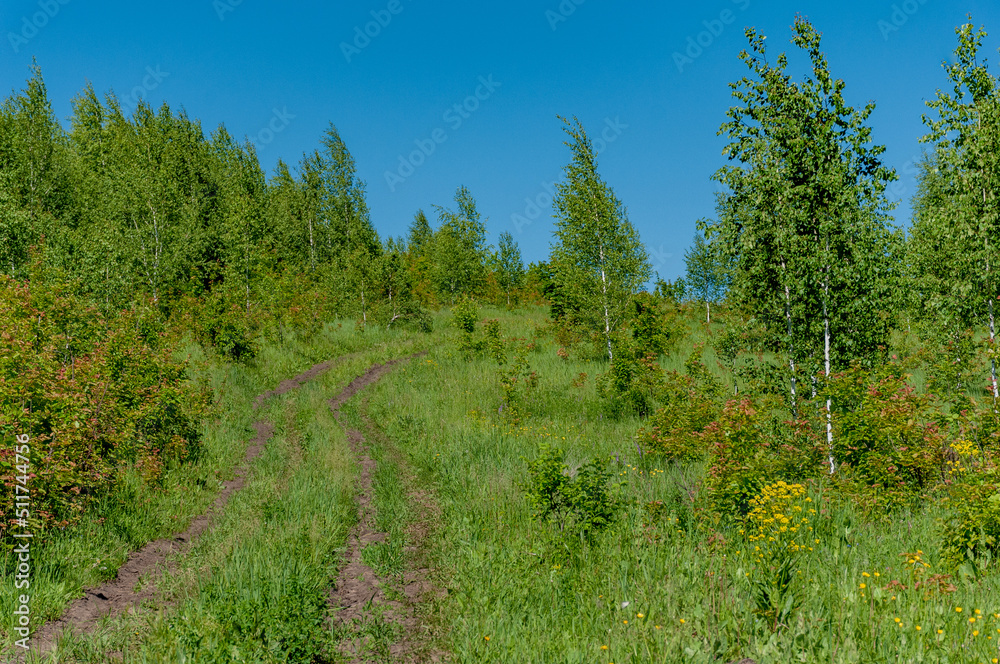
<point x="805" y="219"/>
<point x="682" y="428"/>
<point x="226" y="328"/>
<point x="517" y="381"/>
<point x="459" y="267"/>
<point x="95" y="395"/>
<point x="632" y="384"/>
<point x="580" y="504"/>
<point x="598" y="259"/>
<point x="671" y="291"/>
<point x="751" y="448"/>
<point x="509" y="267"/>
<point x="654" y="326"/>
<point x="885" y="432"/>
<point x="709" y="270"/>
<point x="970" y="531"/>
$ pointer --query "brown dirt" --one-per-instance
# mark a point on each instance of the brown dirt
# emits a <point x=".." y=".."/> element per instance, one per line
<point x="119" y="595"/>
<point x="359" y="594"/>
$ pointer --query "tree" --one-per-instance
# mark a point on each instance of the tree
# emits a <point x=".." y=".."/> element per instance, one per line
<point x="459" y="248"/>
<point x="508" y="265"/>
<point x="708" y="274"/>
<point x="598" y="256"/>
<point x="806" y="218"/>
<point x="342" y="205"/>
<point x="954" y="249"/>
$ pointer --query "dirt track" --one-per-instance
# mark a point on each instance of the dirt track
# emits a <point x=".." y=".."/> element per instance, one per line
<point x="118" y="595"/>
<point x="360" y="594"/>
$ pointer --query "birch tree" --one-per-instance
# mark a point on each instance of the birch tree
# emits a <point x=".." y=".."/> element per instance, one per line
<point x="954" y="245"/>
<point x="806" y="217"/>
<point x="599" y="259"/>
<point x="508" y="265"/>
<point x="707" y="273"/>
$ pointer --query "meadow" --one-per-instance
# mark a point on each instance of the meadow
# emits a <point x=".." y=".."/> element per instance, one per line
<point x="662" y="574"/>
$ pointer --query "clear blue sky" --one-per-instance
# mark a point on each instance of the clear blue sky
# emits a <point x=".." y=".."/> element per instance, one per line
<point x="258" y="65"/>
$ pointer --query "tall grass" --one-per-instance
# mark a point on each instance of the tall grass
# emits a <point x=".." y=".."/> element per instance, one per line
<point x="668" y="584"/>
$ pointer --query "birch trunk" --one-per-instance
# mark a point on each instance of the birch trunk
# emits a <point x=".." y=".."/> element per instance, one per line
<point x="791" y="345"/>
<point x="826" y="358"/>
<point x="604" y="300"/>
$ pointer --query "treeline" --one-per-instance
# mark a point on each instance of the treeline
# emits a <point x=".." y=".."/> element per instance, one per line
<point x="123" y="233"/>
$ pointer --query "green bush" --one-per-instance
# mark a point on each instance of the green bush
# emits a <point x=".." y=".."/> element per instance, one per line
<point x="579" y="504"/>
<point x="885" y="435"/>
<point x="632" y="385"/>
<point x="753" y="447"/>
<point x="970" y="533"/>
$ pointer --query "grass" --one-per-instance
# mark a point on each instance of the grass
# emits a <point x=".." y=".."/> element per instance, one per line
<point x="668" y="581"/>
<point x="276" y="545"/>
<point x="665" y="589"/>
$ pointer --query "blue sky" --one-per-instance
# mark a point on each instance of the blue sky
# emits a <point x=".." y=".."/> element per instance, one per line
<point x="478" y="88"/>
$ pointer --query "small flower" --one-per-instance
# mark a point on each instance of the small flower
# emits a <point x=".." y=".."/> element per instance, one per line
<point x="639" y="615"/>
<point x="958" y="609"/>
<point x="863" y="586"/>
<point x="604" y="647"/>
<point x="683" y="621"/>
<point x="918" y="628"/>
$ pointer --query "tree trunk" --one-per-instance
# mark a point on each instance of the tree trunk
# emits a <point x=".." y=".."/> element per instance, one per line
<point x="708" y="312"/>
<point x="312" y="246"/>
<point x="993" y="361"/>
<point x="826" y="358"/>
<point x="791" y="345"/>
<point x="604" y="301"/>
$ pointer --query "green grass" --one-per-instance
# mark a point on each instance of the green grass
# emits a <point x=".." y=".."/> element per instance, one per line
<point x="519" y="593"/>
<point x="277" y="544"/>
<point x="663" y="585"/>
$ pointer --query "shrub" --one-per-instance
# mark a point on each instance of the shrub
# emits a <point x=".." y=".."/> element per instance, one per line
<point x="632" y="385"/>
<point x="517" y="380"/>
<point x="654" y="328"/>
<point x="117" y="399"/>
<point x="581" y="504"/>
<point x="752" y="448"/>
<point x="885" y="435"/>
<point x="678" y="429"/>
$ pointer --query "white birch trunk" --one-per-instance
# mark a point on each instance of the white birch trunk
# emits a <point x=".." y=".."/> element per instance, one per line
<point x="604" y="300"/>
<point x="826" y="358"/>
<point x="791" y="345"/>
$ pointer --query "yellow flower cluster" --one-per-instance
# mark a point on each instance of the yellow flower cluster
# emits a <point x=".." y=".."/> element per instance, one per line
<point x="779" y="518"/>
<point x="964" y="447"/>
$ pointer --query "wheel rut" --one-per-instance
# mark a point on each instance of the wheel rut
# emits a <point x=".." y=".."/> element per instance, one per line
<point x="119" y="595"/>
<point x="361" y="597"/>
